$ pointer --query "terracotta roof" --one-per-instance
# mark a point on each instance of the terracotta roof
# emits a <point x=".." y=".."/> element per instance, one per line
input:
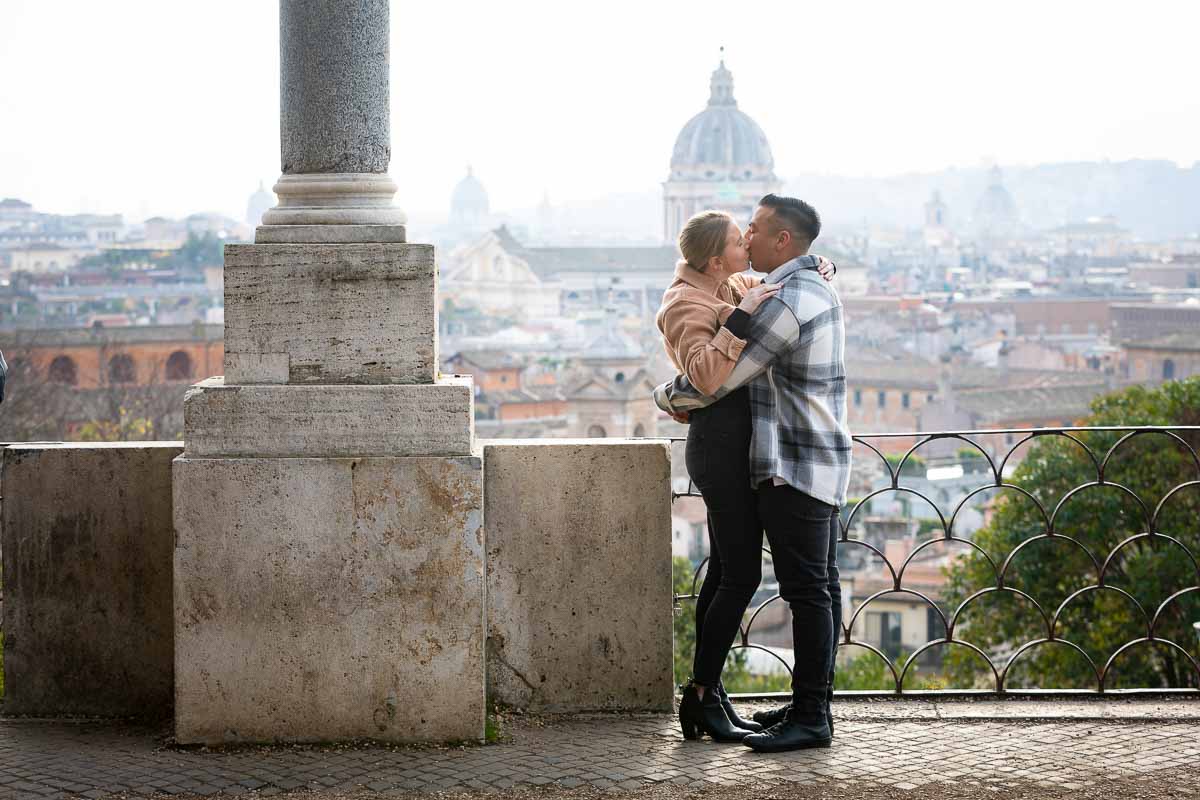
<point x="488" y="359"/>
<point x="532" y="394"/>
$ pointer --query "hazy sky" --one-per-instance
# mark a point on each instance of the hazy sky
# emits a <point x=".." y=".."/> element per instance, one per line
<point x="167" y="107"/>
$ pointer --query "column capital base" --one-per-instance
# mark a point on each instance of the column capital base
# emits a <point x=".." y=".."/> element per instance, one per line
<point x="325" y="203"/>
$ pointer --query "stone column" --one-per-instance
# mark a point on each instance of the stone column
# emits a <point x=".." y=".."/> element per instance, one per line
<point x="334" y="125"/>
<point x="329" y="562"/>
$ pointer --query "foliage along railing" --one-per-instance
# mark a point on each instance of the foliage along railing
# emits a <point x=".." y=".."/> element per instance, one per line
<point x="1122" y="507"/>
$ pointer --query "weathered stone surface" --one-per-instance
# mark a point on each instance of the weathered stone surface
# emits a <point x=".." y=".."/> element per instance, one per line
<point x="334" y="96"/>
<point x="579" y="574"/>
<point x="330" y="313"/>
<point x="329" y="421"/>
<point x="320" y="599"/>
<point x="329" y="234"/>
<point x="87" y="540"/>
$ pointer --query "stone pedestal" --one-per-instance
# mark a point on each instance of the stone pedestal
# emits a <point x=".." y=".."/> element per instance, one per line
<point x="329" y="563"/>
<point x="335" y="421"/>
<point x="320" y="599"/>
<point x="327" y="314"/>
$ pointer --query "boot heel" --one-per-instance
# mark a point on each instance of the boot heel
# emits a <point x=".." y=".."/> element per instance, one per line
<point x="689" y="730"/>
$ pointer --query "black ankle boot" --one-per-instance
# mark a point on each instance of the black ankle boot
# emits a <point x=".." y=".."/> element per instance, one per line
<point x="731" y="712"/>
<point x="697" y="716"/>
<point x="794" y="733"/>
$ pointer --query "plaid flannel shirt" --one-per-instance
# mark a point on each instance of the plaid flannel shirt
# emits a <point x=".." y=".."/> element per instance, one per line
<point x="794" y="363"/>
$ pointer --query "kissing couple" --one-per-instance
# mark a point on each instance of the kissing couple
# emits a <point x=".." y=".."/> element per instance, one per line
<point x="763" y="391"/>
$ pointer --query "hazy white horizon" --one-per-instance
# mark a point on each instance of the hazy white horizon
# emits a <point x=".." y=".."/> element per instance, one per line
<point x="144" y="107"/>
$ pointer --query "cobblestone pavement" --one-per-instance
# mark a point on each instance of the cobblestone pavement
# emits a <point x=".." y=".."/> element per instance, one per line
<point x="900" y="745"/>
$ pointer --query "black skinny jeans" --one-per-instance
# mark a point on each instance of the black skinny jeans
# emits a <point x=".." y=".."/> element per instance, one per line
<point x="718" y="460"/>
<point x="803" y="534"/>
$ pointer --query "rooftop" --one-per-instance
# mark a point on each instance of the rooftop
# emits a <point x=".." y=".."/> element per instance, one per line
<point x="1183" y="341"/>
<point x="1003" y="405"/>
<point x="915" y="373"/>
<point x="132" y="334"/>
<point x="546" y="261"/>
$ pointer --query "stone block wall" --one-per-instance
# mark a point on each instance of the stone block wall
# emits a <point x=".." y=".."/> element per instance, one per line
<point x="87" y="538"/>
<point x="579" y="574"/>
<point x="578" y="585"/>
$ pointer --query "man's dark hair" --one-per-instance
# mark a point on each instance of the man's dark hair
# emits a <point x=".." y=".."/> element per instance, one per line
<point x="795" y="216"/>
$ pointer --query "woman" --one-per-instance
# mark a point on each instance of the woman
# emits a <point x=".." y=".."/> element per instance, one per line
<point x="704" y="318"/>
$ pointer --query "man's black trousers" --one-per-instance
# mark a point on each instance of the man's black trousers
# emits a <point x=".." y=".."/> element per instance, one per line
<point x="803" y="532"/>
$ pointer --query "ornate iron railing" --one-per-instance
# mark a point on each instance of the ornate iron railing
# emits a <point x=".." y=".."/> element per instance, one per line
<point x="1100" y="449"/>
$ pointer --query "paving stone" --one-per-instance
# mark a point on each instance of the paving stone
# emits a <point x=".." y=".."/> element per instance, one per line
<point x="46" y="759"/>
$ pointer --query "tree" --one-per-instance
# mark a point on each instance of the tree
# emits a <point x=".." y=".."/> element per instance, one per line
<point x="914" y="467"/>
<point x="206" y="250"/>
<point x="1142" y="574"/>
<point x="34" y="409"/>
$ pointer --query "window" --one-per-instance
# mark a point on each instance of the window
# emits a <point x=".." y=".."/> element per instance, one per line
<point x="858" y="397"/>
<point x="179" y="366"/>
<point x="1168" y="370"/>
<point x="883" y="631"/>
<point x="882" y="399"/>
<point x="121" y="369"/>
<point x="639" y="430"/>
<point x="596" y="432"/>
<point x="619" y="377"/>
<point x="934" y="627"/>
<point x="904" y="400"/>
<point x="63" y="370"/>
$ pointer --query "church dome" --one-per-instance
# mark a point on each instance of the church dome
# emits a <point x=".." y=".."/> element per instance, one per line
<point x="722" y="143"/>
<point x="259" y="203"/>
<point x="469" y="203"/>
<point x="996" y="207"/>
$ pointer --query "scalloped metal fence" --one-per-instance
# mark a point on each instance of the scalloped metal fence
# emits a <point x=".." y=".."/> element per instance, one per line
<point x="996" y="478"/>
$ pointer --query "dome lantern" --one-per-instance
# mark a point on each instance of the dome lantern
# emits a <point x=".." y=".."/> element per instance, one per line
<point x="721" y="87"/>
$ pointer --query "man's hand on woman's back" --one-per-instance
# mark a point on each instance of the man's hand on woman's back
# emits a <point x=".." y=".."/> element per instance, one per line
<point x="826" y="268"/>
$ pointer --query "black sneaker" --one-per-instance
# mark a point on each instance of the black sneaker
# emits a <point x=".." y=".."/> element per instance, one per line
<point x="792" y="733"/>
<point x="774" y="716"/>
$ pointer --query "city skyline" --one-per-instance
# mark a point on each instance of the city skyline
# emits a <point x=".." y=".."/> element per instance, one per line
<point x="587" y="108"/>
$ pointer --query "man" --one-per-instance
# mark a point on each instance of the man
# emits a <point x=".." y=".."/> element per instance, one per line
<point x="799" y="452"/>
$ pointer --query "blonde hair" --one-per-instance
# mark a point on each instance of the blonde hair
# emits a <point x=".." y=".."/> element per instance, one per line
<point x="703" y="236"/>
